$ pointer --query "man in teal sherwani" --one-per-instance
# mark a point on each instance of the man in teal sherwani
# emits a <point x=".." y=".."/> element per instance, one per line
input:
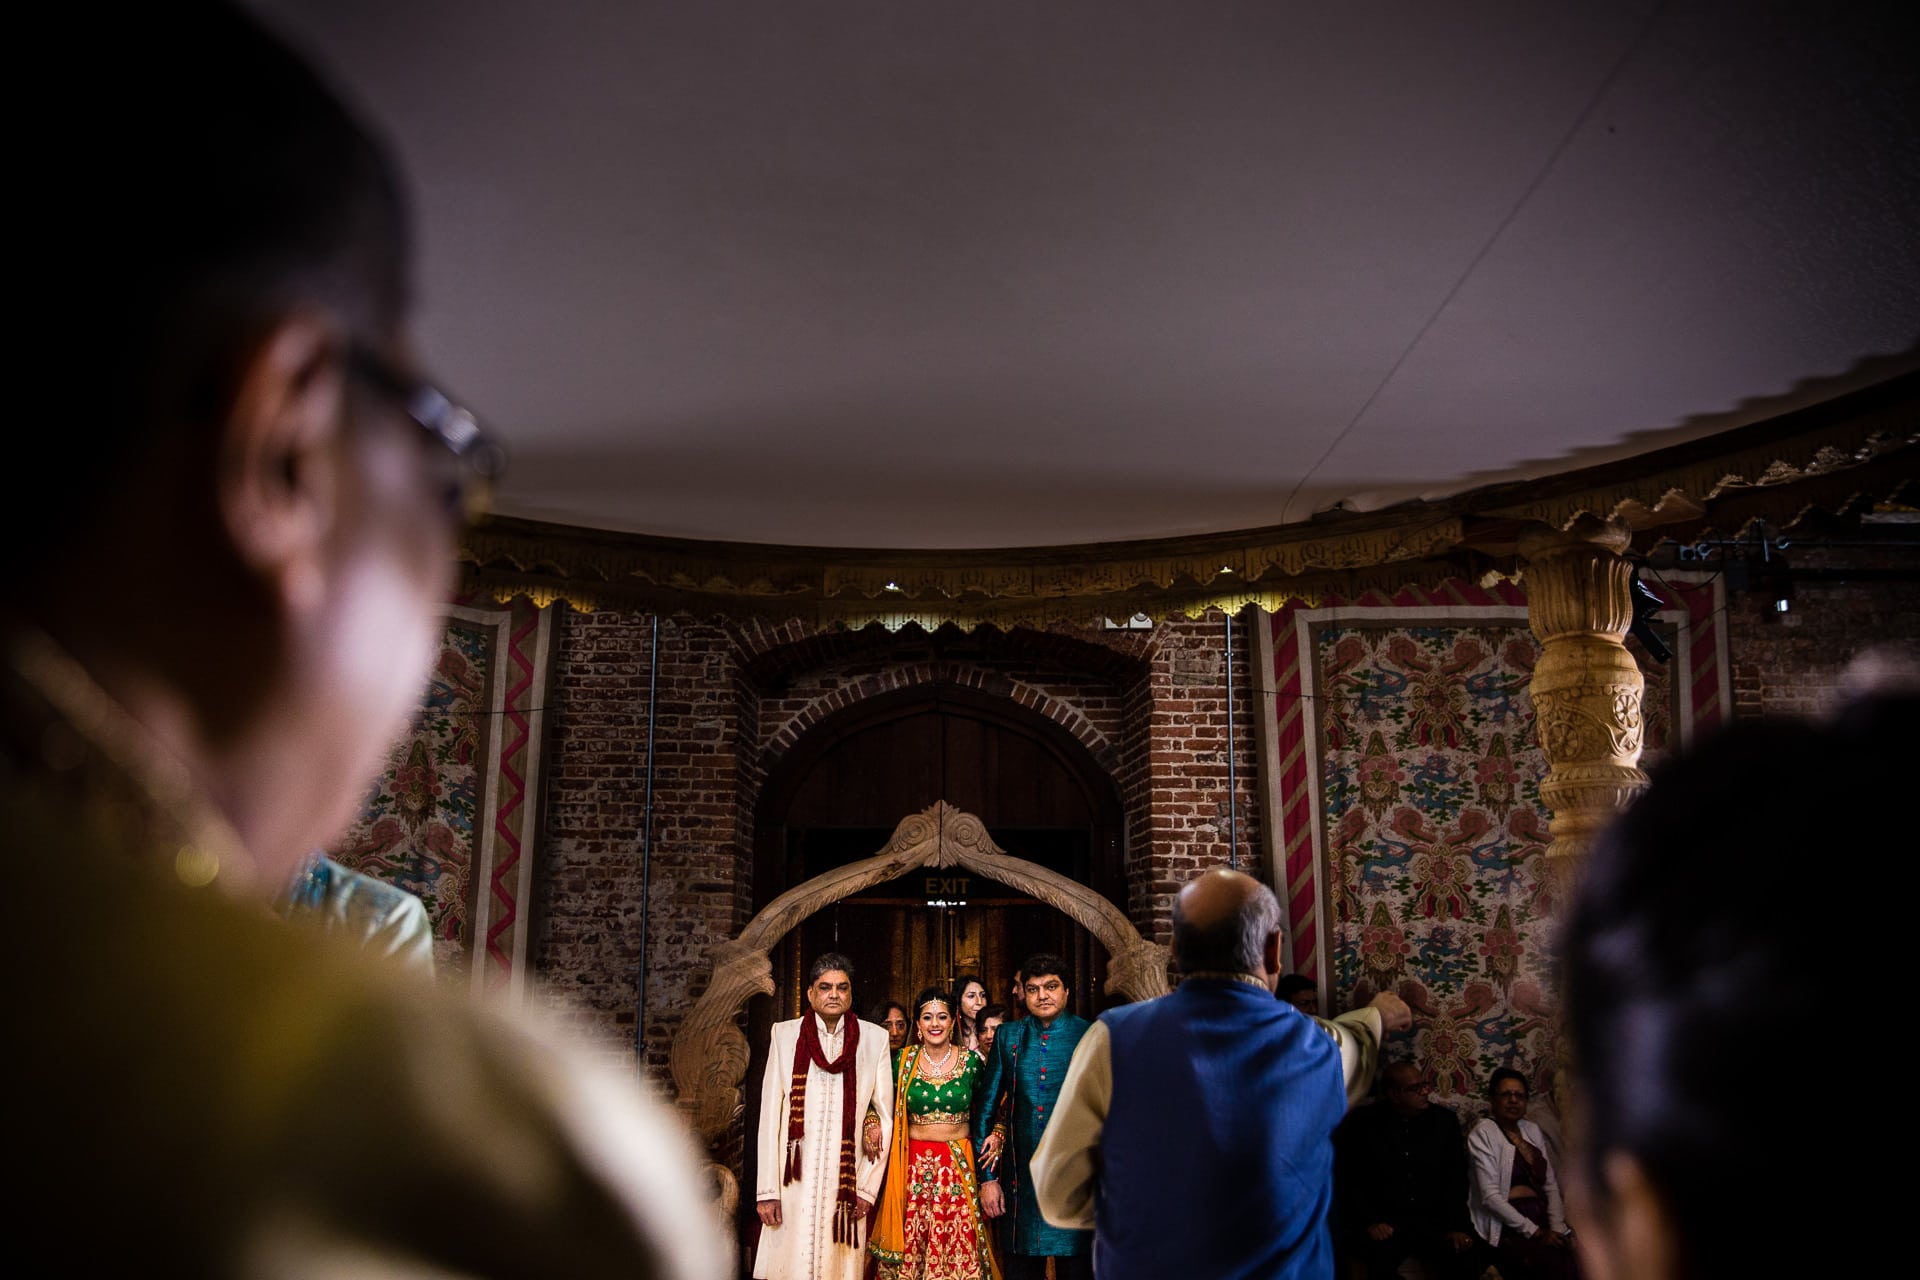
<point x="1028" y="1064"/>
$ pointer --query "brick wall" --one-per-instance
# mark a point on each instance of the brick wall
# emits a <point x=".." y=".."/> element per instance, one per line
<point x="586" y="891"/>
<point x="1175" y="780"/>
<point x="587" y="952"/>
<point x="1846" y="600"/>
<point x="1087" y="702"/>
<point x="1150" y="706"/>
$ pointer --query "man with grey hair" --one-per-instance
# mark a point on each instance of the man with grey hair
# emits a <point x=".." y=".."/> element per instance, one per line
<point x="828" y="1075"/>
<point x="1194" y="1133"/>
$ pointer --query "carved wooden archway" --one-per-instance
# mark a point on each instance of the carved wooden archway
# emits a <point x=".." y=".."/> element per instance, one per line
<point x="709" y="1058"/>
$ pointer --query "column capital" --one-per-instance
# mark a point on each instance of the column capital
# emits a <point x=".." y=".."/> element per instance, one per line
<point x="1578" y="579"/>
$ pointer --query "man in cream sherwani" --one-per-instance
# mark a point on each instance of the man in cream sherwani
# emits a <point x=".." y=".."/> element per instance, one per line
<point x="819" y="1173"/>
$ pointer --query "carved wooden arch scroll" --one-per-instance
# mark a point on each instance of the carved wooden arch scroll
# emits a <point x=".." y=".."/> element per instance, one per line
<point x="709" y="1058"/>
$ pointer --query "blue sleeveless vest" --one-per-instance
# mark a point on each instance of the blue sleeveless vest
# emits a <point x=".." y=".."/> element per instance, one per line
<point x="1216" y="1159"/>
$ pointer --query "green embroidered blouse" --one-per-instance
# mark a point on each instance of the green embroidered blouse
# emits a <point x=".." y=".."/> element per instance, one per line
<point x="949" y="1101"/>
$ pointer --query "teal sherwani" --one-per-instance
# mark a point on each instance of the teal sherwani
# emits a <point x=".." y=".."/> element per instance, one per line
<point x="1029" y="1063"/>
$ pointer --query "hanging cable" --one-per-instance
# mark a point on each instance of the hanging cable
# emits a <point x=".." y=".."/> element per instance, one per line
<point x="1233" y="788"/>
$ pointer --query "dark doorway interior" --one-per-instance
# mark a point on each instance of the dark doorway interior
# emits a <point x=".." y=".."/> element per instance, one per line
<point x="932" y="927"/>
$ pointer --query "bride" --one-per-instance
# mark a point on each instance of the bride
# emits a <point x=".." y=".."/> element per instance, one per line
<point x="930" y="1226"/>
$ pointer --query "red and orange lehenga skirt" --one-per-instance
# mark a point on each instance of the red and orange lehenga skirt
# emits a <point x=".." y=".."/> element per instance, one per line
<point x="945" y="1234"/>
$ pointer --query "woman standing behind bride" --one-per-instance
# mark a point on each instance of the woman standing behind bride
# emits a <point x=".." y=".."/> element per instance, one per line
<point x="930" y="1226"/>
<point x="973" y="998"/>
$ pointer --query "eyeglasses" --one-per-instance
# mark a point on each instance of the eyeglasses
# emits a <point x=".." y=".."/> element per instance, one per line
<point x="482" y="460"/>
<point x="1508" y="1095"/>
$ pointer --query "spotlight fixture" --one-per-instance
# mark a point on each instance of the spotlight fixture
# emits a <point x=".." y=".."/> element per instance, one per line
<point x="1647" y="605"/>
<point x="1780" y="590"/>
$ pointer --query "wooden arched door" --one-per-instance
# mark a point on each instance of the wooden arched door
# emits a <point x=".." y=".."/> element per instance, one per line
<point x="837" y="795"/>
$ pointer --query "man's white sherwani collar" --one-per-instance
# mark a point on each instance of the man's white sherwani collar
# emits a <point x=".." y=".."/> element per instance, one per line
<point x="831" y="1040"/>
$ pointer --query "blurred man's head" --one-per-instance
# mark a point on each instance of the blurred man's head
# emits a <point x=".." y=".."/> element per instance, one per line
<point x="239" y="435"/>
<point x="1299" y="992"/>
<point x="1688" y="984"/>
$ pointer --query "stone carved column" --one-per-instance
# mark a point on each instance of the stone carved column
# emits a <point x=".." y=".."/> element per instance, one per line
<point x="1586" y="688"/>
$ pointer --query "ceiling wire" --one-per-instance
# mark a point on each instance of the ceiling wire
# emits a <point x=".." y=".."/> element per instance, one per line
<point x="1473" y="264"/>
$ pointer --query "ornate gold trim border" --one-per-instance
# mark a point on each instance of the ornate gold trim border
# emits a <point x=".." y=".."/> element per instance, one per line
<point x="1860" y="447"/>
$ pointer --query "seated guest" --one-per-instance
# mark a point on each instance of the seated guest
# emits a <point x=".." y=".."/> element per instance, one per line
<point x="1516" y="1197"/>
<point x="1688" y="983"/>
<point x="1300" y="993"/>
<point x="892" y="1015"/>
<point x="1401" y="1181"/>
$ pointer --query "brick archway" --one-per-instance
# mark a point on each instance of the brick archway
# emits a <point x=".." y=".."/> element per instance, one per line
<point x="952" y="674"/>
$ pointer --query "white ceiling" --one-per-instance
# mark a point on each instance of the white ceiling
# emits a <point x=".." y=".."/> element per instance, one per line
<point x="909" y="274"/>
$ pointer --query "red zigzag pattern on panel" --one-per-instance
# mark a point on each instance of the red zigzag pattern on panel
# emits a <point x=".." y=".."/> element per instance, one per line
<point x="514" y="795"/>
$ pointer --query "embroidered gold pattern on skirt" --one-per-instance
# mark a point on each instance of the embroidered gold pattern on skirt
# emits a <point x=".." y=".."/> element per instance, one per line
<point x="947" y="1238"/>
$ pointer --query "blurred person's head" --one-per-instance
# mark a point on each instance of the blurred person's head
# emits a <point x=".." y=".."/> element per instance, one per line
<point x="1689" y="985"/>
<point x="1300" y="992"/>
<point x="233" y="438"/>
<point x="892" y="1015"/>
<point x="989" y="1026"/>
<point x="1017" y="994"/>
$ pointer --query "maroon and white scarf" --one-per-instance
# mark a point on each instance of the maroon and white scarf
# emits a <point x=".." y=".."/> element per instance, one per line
<point x="807" y="1052"/>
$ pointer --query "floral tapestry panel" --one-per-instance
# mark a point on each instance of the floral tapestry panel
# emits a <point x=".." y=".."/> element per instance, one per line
<point x="452" y="816"/>
<point x="416" y="828"/>
<point x="1436" y="839"/>
<point x="1401" y="777"/>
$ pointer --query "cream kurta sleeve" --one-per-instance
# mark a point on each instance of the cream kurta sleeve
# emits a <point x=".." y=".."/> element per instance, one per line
<point x="1066" y="1165"/>
<point x="774" y="1083"/>
<point x="876" y="1058"/>
<point x="1358" y="1032"/>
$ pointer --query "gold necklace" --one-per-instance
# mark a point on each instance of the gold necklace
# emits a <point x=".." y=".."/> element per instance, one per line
<point x="211" y="847"/>
<point x="933" y="1073"/>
